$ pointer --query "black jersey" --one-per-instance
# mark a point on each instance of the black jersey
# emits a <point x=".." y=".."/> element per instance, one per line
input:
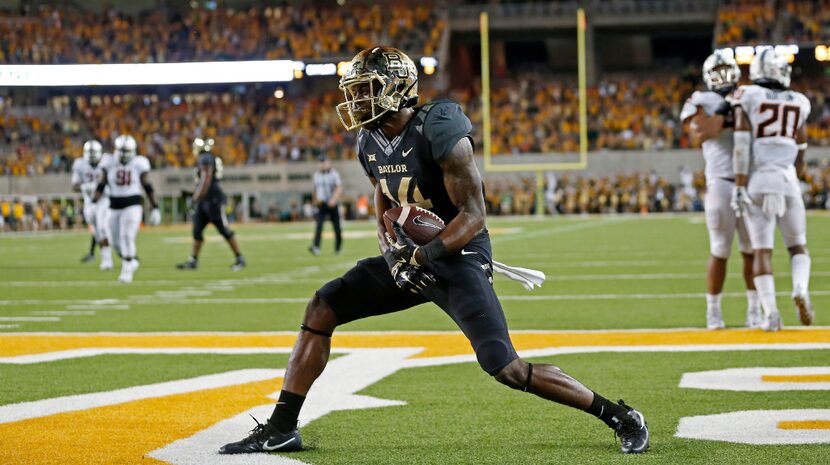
<point x="406" y="167"/>
<point x="215" y="190"/>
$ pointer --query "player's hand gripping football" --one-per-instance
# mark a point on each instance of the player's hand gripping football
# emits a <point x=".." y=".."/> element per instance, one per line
<point x="400" y="258"/>
<point x="403" y="250"/>
<point x="740" y="200"/>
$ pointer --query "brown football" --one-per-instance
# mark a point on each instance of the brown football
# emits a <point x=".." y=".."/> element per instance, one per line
<point x="420" y="224"/>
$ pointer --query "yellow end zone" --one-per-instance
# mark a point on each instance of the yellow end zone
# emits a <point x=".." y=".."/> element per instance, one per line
<point x="435" y="344"/>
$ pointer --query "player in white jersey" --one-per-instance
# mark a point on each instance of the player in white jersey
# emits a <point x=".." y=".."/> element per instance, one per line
<point x="86" y="173"/>
<point x="125" y="173"/>
<point x="771" y="124"/>
<point x="701" y="115"/>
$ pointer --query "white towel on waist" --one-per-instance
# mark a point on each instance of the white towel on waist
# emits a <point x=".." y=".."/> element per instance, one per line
<point x="526" y="277"/>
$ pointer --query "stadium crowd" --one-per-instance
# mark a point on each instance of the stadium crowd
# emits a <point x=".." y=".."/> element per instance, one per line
<point x="753" y="22"/>
<point x="69" y="34"/>
<point x="66" y="32"/>
<point x="529" y="114"/>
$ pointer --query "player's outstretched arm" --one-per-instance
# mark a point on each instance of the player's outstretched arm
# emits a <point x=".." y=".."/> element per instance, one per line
<point x="463" y="183"/>
<point x="148" y="188"/>
<point x="742" y="142"/>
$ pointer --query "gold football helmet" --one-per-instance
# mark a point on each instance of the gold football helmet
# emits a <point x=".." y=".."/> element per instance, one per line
<point x="379" y="80"/>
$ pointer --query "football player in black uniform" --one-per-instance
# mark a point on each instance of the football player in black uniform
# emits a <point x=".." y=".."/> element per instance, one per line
<point x="209" y="205"/>
<point x="420" y="155"/>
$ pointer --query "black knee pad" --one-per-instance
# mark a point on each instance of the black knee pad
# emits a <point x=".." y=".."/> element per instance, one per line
<point x="493" y="355"/>
<point x="224" y="231"/>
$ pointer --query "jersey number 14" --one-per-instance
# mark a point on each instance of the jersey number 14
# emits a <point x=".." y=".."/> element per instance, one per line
<point x="404" y="197"/>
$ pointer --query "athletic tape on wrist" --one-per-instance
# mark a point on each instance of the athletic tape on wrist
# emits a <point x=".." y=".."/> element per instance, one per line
<point x="740" y="159"/>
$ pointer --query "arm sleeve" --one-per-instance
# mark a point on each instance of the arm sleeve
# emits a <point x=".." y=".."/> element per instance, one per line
<point x="444" y="126"/>
<point x="336" y="176"/>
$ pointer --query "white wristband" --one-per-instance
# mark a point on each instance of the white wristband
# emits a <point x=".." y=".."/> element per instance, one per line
<point x="740" y="158"/>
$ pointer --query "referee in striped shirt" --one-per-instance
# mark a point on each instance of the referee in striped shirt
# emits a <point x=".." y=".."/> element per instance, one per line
<point x="327" y="190"/>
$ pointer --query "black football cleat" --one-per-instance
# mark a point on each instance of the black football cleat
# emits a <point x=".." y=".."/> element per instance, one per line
<point x="190" y="264"/>
<point x="87" y="258"/>
<point x="239" y="263"/>
<point x="265" y="438"/>
<point x="633" y="431"/>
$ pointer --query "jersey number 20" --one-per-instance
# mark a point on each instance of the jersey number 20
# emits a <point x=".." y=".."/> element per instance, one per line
<point x="783" y="112"/>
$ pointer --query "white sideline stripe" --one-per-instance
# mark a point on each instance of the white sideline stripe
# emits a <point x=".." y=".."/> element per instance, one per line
<point x="29" y="318"/>
<point x="547" y="352"/>
<point x="9" y="326"/>
<point x="41" y="408"/>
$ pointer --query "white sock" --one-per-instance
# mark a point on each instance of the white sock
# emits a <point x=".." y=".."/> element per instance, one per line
<point x="713" y="301"/>
<point x="765" y="285"/>
<point x="106" y="253"/>
<point x="800" y="265"/>
<point x="752" y="301"/>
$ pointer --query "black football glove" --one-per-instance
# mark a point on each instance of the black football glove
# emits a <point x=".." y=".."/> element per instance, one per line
<point x="403" y="250"/>
<point x="411" y="278"/>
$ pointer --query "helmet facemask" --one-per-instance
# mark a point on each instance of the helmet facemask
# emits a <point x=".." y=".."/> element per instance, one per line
<point x="93" y="152"/>
<point x="722" y="79"/>
<point x="125" y="149"/>
<point x="721" y="73"/>
<point x="370" y="95"/>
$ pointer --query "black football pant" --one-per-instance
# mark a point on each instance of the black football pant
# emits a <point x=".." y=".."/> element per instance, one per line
<point x="323" y="212"/>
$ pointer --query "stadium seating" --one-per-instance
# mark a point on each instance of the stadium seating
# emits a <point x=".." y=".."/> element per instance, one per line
<point x="66" y="34"/>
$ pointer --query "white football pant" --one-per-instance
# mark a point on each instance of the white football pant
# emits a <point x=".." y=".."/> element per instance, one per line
<point x="125" y="223"/>
<point x="722" y="222"/>
<point x="793" y="224"/>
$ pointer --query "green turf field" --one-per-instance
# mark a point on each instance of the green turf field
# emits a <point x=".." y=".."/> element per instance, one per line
<point x="604" y="273"/>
